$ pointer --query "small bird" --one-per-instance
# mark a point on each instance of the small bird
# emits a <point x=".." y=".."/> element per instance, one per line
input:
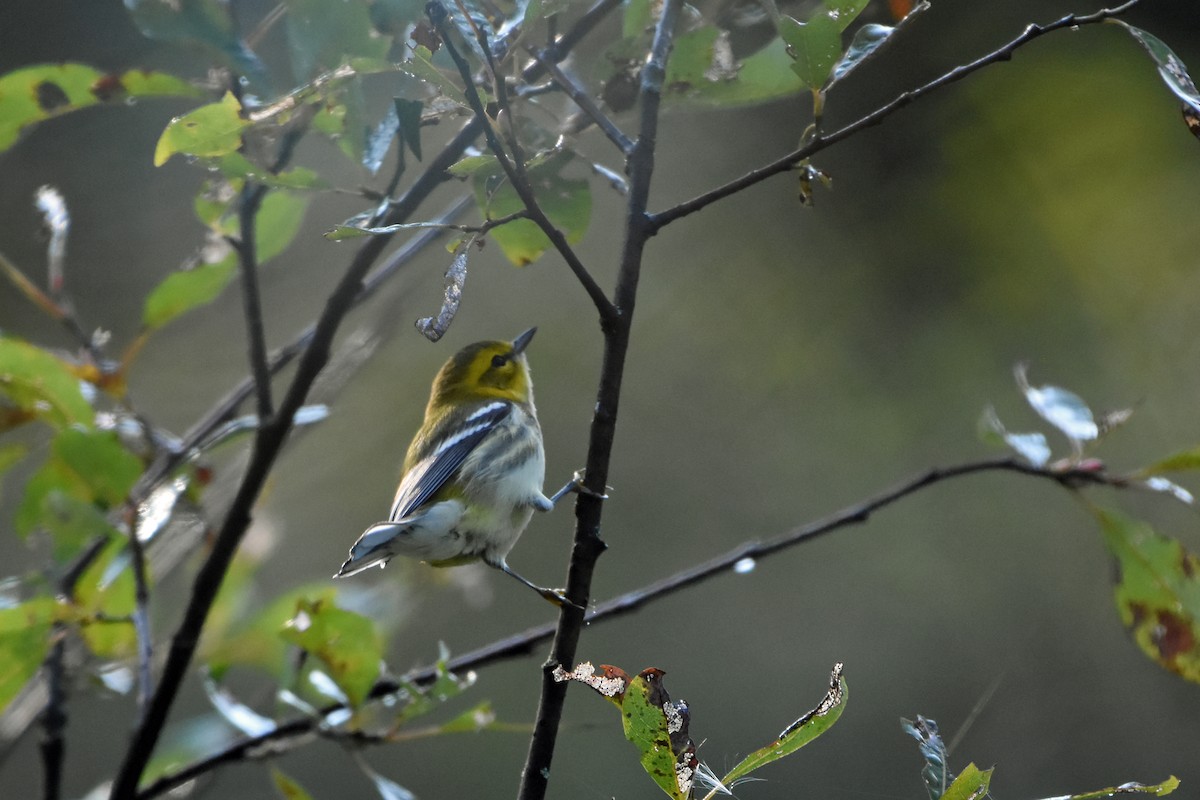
<point x="473" y="474"/>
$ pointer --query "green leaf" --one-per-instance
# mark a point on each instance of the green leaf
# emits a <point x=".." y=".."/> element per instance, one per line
<point x="42" y="385"/>
<point x="345" y="642"/>
<point x="637" y="18"/>
<point x="72" y="523"/>
<point x="105" y="595"/>
<point x="815" y="46"/>
<point x="210" y="130"/>
<point x="473" y="720"/>
<point x="799" y="733"/>
<point x="100" y="461"/>
<point x="1158" y="594"/>
<point x="971" y="784"/>
<point x="1158" y="790"/>
<point x="845" y="11"/>
<point x="1171" y="68"/>
<point x="935" y="773"/>
<point x="420" y="66"/>
<point x="408" y="114"/>
<point x="765" y="75"/>
<point x="256" y="642"/>
<point x="1176" y="462"/>
<point x="33" y="94"/>
<point x="182" y="291"/>
<point x="278" y="222"/>
<point x="287" y="787"/>
<point x="470" y="165"/>
<point x="24" y="638"/>
<point x="655" y="724"/>
<point x="691" y="58"/>
<point x="204" y="22"/>
<point x="236" y="165"/>
<point x="659" y="729"/>
<point x="322" y="34"/>
<point x="566" y="202"/>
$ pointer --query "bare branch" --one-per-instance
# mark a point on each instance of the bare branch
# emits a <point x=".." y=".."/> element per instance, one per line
<point x="246" y="245"/>
<point x="585" y="102"/>
<point x="821" y="141"/>
<point x="523" y="643"/>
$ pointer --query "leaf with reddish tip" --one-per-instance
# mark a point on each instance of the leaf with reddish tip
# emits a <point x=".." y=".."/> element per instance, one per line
<point x="1158" y="593"/>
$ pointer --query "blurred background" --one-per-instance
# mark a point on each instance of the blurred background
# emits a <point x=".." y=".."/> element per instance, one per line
<point x="786" y="362"/>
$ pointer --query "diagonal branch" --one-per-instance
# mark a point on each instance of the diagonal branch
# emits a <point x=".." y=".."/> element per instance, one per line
<point x="523" y="643"/>
<point x="585" y="102"/>
<point x="821" y="141"/>
<point x="514" y="167"/>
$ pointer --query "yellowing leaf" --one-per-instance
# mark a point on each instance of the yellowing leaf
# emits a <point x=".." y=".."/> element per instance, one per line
<point x="24" y="637"/>
<point x="211" y="130"/>
<point x="42" y="384"/>
<point x="346" y="643"/>
<point x="1158" y="594"/>
<point x="33" y="94"/>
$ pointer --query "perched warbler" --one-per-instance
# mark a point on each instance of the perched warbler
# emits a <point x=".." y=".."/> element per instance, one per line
<point x="473" y="475"/>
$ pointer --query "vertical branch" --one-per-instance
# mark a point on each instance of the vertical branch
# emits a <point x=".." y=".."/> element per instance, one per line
<point x="247" y="250"/>
<point x="54" y="715"/>
<point x="141" y="617"/>
<point x="588" y="509"/>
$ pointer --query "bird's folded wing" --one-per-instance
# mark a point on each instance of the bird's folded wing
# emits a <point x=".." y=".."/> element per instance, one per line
<point x="429" y="474"/>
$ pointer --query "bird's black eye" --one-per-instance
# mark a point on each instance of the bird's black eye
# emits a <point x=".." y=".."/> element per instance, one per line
<point x="499" y="361"/>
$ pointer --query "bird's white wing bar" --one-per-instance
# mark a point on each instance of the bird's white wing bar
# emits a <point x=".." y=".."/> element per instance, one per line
<point x="429" y="474"/>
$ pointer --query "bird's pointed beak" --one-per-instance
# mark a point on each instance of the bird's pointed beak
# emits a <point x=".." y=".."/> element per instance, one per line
<point x="521" y="342"/>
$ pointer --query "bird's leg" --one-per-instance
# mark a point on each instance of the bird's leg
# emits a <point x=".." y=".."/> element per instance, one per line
<point x="555" y="596"/>
<point x="576" y="485"/>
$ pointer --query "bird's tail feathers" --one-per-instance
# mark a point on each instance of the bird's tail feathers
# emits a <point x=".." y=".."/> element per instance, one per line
<point x="372" y="549"/>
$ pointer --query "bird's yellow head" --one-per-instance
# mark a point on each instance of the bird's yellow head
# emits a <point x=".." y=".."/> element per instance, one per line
<point x="482" y="371"/>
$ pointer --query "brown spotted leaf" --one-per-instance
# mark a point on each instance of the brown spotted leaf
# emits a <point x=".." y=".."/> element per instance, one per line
<point x="1157" y="594"/>
<point x="656" y="724"/>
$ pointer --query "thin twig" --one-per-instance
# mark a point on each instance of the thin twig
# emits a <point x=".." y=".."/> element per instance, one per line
<point x="523" y="643"/>
<point x="141" y="612"/>
<point x="246" y="245"/>
<point x="516" y="177"/>
<point x="54" y="714"/>
<point x="821" y="141"/>
<point x="584" y="100"/>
